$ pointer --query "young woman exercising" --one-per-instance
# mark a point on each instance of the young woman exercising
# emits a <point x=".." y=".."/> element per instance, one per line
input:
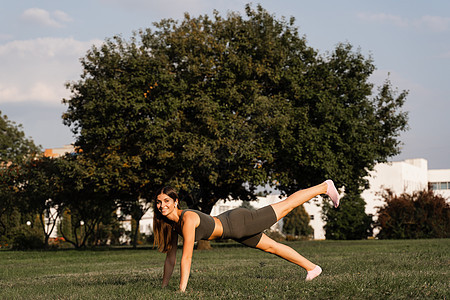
<point x="240" y="224"/>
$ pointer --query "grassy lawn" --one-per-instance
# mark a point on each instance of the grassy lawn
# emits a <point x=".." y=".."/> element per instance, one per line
<point x="373" y="269"/>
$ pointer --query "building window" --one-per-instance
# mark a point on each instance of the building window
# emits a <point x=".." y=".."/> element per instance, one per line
<point x="440" y="185"/>
<point x="311" y="217"/>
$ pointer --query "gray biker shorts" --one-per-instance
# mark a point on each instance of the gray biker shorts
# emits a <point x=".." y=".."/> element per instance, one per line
<point x="245" y="225"/>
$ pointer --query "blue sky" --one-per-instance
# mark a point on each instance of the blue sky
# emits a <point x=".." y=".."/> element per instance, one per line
<point x="41" y="43"/>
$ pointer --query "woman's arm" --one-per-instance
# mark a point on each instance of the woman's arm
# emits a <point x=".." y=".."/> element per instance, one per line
<point x="171" y="258"/>
<point x="190" y="221"/>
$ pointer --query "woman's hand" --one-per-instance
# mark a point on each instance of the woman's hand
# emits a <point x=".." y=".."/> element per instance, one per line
<point x="170" y="261"/>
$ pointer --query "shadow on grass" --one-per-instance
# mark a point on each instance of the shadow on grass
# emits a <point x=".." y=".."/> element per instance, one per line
<point x="219" y="244"/>
<point x="151" y="280"/>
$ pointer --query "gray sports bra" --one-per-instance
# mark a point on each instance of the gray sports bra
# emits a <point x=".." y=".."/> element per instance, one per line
<point x="206" y="226"/>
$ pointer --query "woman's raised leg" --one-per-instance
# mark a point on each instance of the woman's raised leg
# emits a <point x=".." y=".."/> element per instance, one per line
<point x="282" y="208"/>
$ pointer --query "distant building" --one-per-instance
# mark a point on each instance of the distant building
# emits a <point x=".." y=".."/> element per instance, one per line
<point x="57" y="152"/>
<point x="400" y="177"/>
<point x="439" y="182"/>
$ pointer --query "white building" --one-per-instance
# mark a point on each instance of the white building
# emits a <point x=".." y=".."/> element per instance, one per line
<point x="400" y="177"/>
<point x="439" y="181"/>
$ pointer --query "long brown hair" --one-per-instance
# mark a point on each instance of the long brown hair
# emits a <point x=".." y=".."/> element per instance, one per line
<point x="162" y="227"/>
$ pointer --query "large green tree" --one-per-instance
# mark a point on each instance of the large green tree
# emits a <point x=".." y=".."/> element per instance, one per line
<point x="216" y="106"/>
<point x="180" y="106"/>
<point x="14" y="146"/>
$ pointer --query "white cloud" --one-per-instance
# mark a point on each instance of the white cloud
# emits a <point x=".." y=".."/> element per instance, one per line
<point x="158" y="5"/>
<point x="434" y="23"/>
<point x="62" y="16"/>
<point x="4" y="36"/>
<point x="384" y="18"/>
<point x="176" y="8"/>
<point x="429" y="23"/>
<point x="40" y="91"/>
<point x="445" y="55"/>
<point x="36" y="70"/>
<point x="44" y="47"/>
<point x="44" y="18"/>
<point x="8" y="92"/>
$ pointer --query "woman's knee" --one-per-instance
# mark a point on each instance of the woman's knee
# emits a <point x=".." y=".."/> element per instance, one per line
<point x="266" y="244"/>
<point x="268" y="249"/>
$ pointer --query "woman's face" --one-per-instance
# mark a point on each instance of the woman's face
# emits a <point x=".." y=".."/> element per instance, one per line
<point x="165" y="204"/>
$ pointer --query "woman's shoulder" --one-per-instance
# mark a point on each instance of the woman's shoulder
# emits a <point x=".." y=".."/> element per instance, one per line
<point x="189" y="213"/>
<point x="189" y="218"/>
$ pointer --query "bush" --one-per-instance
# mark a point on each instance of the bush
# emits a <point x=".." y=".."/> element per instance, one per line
<point x="10" y="220"/>
<point x="296" y="224"/>
<point x="148" y="239"/>
<point x="275" y="235"/>
<point x="349" y="221"/>
<point x="421" y="214"/>
<point x="25" y="238"/>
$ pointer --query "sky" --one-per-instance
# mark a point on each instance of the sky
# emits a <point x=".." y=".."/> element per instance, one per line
<point x="41" y="43"/>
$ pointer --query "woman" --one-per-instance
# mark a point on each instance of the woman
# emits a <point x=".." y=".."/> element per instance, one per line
<point x="243" y="225"/>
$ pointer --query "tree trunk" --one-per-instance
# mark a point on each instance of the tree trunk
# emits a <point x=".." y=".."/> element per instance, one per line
<point x="136" y="232"/>
<point x="204" y="245"/>
<point x="46" y="236"/>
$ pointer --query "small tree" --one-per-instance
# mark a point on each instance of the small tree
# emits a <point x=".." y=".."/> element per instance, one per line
<point x="135" y="209"/>
<point x="39" y="187"/>
<point x="83" y="198"/>
<point x="14" y="146"/>
<point x="349" y="221"/>
<point x="247" y="204"/>
<point x="107" y="232"/>
<point x="421" y="214"/>
<point x="64" y="229"/>
<point x="296" y="223"/>
<point x="9" y="213"/>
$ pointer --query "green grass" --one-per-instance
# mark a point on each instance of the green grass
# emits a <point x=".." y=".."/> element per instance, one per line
<point x="373" y="269"/>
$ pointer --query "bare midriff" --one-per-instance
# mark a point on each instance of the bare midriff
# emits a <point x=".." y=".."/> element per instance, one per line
<point x="218" y="230"/>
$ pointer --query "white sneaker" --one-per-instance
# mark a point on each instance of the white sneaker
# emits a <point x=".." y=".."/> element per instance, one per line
<point x="313" y="273"/>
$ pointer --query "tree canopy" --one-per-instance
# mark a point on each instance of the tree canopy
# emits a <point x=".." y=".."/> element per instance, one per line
<point x="217" y="106"/>
<point x="14" y="146"/>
